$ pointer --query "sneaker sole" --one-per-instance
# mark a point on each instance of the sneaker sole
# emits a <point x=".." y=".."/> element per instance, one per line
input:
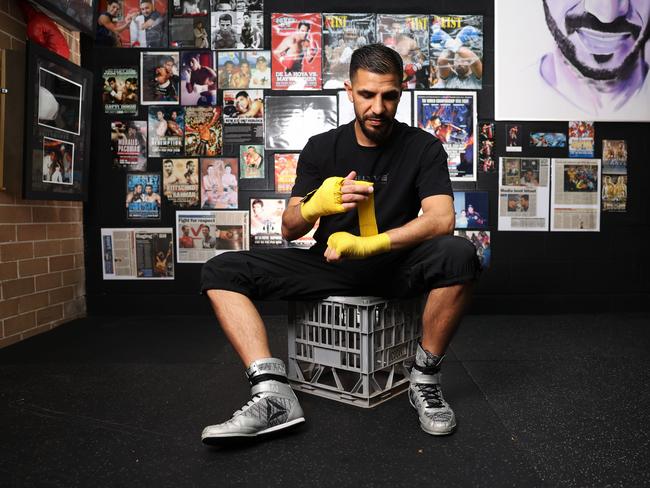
<point x="451" y="431"/>
<point x="275" y="428"/>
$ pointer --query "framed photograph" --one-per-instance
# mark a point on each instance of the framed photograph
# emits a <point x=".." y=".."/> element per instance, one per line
<point x="57" y="127"/>
<point x="76" y="15"/>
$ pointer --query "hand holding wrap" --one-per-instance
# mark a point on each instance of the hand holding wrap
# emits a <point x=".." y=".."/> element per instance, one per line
<point x="326" y="200"/>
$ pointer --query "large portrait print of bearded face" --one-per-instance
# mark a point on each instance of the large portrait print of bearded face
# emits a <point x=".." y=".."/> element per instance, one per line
<point x="572" y="59"/>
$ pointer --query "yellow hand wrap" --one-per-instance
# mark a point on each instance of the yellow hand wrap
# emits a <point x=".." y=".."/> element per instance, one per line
<point x="326" y="200"/>
<point x="352" y="246"/>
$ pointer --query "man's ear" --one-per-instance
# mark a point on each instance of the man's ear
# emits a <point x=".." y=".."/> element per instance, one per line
<point x="348" y="88"/>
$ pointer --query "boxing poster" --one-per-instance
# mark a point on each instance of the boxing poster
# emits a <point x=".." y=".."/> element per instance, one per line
<point x="203" y="131"/>
<point x="243" y="119"/>
<point x="456" y="49"/>
<point x="451" y="117"/>
<point x="198" y="84"/>
<point x="160" y="82"/>
<point x="181" y="182"/>
<point x="129" y="144"/>
<point x="143" y="196"/>
<point x="296" y="47"/>
<point x="614" y="156"/>
<point x="219" y="186"/>
<point x="166" y="126"/>
<point x="342" y="34"/>
<point x="409" y="36"/>
<point x="581" y="139"/>
<point x="120" y="92"/>
<point x="266" y="222"/>
<point x="285" y="171"/>
<point x="132" y="23"/>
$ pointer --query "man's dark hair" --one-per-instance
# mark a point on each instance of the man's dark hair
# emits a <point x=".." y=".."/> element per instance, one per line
<point x="242" y="94"/>
<point x="111" y="79"/>
<point x="377" y="58"/>
<point x="226" y="17"/>
<point x="305" y="23"/>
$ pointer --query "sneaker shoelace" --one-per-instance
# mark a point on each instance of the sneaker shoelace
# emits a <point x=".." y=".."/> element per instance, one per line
<point x="248" y="405"/>
<point x="431" y="395"/>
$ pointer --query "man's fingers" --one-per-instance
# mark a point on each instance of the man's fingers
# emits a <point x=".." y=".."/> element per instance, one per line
<point x="351" y="176"/>
<point x="353" y="197"/>
<point x="331" y="255"/>
<point x="350" y="187"/>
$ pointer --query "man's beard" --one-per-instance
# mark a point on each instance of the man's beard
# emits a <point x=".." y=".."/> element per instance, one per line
<point x="601" y="74"/>
<point x="378" y="134"/>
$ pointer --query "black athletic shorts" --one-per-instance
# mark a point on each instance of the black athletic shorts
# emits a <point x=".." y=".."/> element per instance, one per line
<point x="299" y="274"/>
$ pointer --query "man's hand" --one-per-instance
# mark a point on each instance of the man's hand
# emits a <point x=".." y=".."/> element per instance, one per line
<point x="345" y="245"/>
<point x="335" y="195"/>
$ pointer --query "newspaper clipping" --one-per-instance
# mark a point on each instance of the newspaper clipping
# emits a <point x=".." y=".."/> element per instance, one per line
<point x="409" y="36"/>
<point x="219" y="188"/>
<point x="451" y="117"/>
<point x="523" y="194"/>
<point x="203" y="234"/>
<point x="143" y="196"/>
<point x="243" y="119"/>
<point x="581" y="139"/>
<point x="129" y="144"/>
<point x="120" y="91"/>
<point x="456" y="48"/>
<point x="291" y="120"/>
<point x="296" y="46"/>
<point x="132" y="254"/>
<point x="575" y="195"/>
<point x="404" y="112"/>
<point x="266" y="222"/>
<point x="181" y="182"/>
<point x="342" y="34"/>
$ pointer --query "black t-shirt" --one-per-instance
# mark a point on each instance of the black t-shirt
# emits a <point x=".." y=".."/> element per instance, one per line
<point x="410" y="166"/>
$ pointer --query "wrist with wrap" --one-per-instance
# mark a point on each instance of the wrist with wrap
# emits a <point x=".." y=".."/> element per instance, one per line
<point x="327" y="199"/>
<point x="355" y="247"/>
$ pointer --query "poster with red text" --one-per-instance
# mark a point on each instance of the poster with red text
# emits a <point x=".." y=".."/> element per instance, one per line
<point x="296" y="49"/>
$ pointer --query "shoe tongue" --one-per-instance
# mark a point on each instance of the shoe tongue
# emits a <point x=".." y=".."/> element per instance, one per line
<point x="424" y="359"/>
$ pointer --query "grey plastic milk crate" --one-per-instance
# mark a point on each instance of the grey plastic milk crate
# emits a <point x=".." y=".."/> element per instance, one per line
<point x="353" y="349"/>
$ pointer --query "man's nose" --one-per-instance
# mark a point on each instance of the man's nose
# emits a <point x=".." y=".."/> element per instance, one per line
<point x="378" y="105"/>
<point x="607" y="10"/>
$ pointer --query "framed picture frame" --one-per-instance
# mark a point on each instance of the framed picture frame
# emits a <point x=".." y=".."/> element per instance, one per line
<point x="57" y="127"/>
<point x="76" y="15"/>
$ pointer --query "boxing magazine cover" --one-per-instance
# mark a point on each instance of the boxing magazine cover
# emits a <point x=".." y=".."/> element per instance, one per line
<point x="131" y="254"/>
<point x="120" y="92"/>
<point x="342" y="34"/>
<point x="581" y="139"/>
<point x="291" y="120"/>
<point x="409" y="36"/>
<point x="181" y="182"/>
<point x="129" y="144"/>
<point x="451" y="117"/>
<point x="166" y="126"/>
<point x="456" y="51"/>
<point x="614" y="157"/>
<point x="132" y="23"/>
<point x="614" y="193"/>
<point x="202" y="234"/>
<point x="296" y="47"/>
<point x="266" y="222"/>
<point x="285" y="171"/>
<point x="160" y="83"/>
<point x="219" y="186"/>
<point x="203" y="131"/>
<point x="143" y="196"/>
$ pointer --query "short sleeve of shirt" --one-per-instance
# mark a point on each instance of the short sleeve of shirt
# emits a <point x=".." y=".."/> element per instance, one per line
<point x="433" y="174"/>
<point x="308" y="176"/>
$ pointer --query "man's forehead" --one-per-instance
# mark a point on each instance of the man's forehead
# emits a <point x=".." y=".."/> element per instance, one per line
<point x="375" y="82"/>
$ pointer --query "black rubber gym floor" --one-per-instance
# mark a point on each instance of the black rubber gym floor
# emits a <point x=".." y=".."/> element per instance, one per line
<point x="540" y="400"/>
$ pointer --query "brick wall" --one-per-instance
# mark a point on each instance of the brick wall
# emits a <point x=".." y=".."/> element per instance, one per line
<point x="41" y="242"/>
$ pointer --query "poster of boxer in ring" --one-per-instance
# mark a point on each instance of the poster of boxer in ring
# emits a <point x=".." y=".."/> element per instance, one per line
<point x="296" y="41"/>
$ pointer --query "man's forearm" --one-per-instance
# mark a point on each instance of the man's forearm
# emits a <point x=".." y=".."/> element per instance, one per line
<point x="293" y="224"/>
<point x="419" y="230"/>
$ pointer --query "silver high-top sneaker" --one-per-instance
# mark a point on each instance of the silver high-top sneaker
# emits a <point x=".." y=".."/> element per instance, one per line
<point x="274" y="405"/>
<point x="436" y="416"/>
